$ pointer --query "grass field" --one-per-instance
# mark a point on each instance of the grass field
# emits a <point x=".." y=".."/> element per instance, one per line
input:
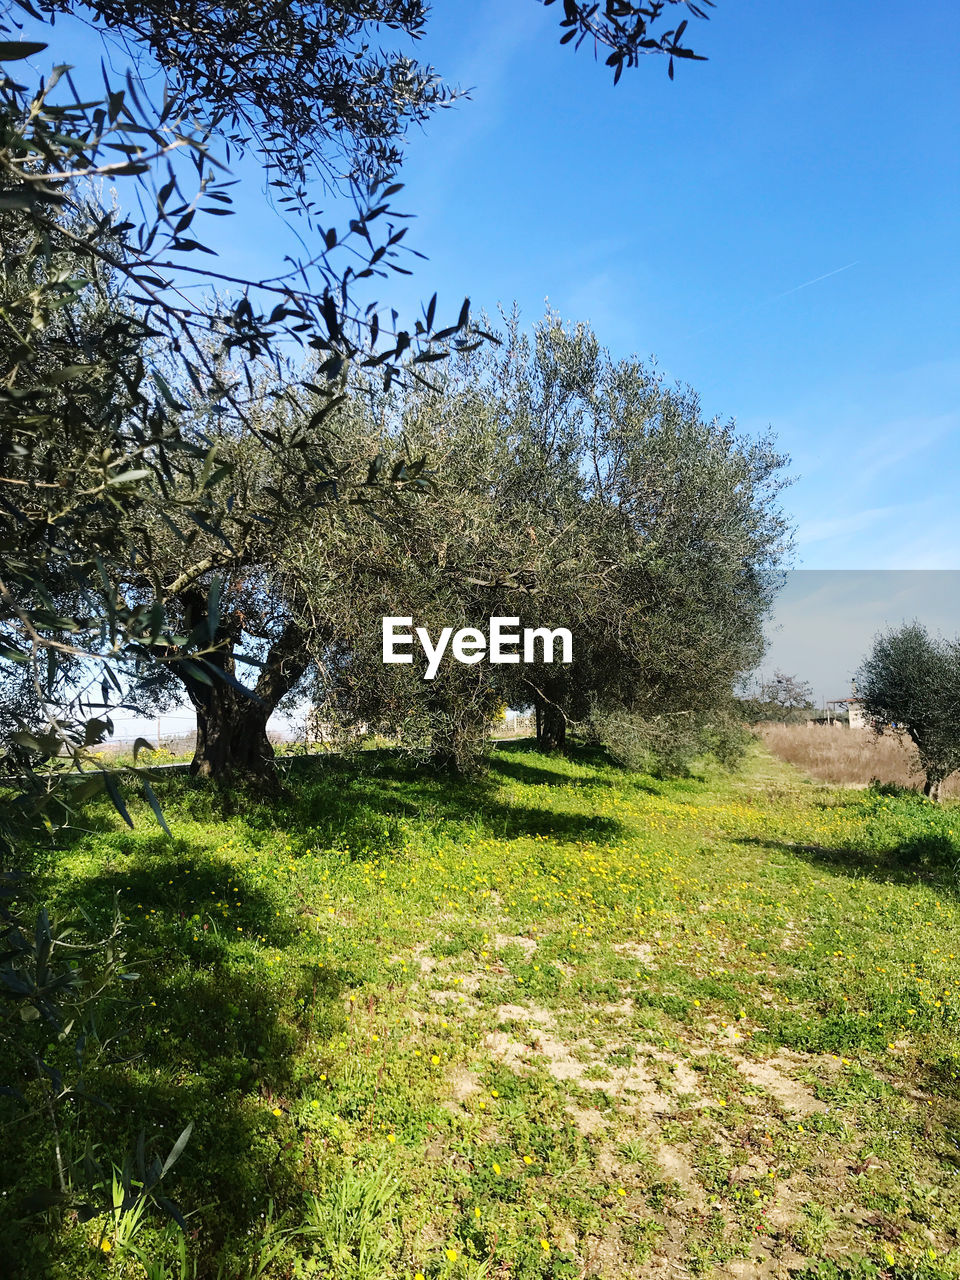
<point x="566" y="1021"/>
<point x="849" y="757"/>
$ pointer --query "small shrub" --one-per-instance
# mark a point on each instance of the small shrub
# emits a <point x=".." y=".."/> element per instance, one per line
<point x="668" y="745"/>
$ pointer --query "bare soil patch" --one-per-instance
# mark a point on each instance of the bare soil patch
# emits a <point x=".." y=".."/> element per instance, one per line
<point x="771" y="1075"/>
<point x="527" y="945"/>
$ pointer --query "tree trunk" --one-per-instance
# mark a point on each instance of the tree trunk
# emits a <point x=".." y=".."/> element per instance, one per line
<point x="931" y="787"/>
<point x="551" y="729"/>
<point x="232" y="738"/>
<point x="231" y="735"/>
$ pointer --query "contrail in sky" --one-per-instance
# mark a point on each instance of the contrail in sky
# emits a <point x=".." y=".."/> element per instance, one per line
<point x="758" y="306"/>
<point x="808" y="283"/>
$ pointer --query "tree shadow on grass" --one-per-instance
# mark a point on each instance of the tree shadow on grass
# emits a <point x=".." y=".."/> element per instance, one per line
<point x="210" y="1034"/>
<point x="366" y="805"/>
<point x="368" y="811"/>
<point x="929" y="859"/>
<point x="536" y="775"/>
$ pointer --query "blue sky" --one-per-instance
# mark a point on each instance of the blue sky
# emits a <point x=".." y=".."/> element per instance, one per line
<point x="690" y="220"/>
<point x="778" y="226"/>
<point x="683" y="220"/>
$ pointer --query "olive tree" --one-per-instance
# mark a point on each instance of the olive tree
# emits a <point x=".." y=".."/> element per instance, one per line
<point x="104" y="351"/>
<point x="666" y="537"/>
<point x="567" y="490"/>
<point x="909" y="685"/>
<point x="307" y="92"/>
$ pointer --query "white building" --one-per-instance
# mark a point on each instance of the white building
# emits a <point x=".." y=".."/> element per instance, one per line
<point x="854" y="709"/>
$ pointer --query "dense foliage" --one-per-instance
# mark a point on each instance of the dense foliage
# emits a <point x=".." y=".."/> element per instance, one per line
<point x="568" y="489"/>
<point x="104" y="349"/>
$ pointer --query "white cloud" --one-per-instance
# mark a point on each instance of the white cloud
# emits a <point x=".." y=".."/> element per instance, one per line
<point x="836" y="527"/>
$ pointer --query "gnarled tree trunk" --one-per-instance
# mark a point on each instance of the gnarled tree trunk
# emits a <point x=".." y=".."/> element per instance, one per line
<point x="231" y="734"/>
<point x="232" y="738"/>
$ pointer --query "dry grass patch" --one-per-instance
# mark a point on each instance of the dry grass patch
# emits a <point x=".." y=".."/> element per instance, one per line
<point x="849" y="757"/>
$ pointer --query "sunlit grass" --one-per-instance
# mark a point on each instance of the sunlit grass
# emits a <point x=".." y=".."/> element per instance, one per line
<point x="549" y="1024"/>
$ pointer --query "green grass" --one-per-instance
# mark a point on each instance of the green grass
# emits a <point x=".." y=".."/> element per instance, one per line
<point x="564" y="1021"/>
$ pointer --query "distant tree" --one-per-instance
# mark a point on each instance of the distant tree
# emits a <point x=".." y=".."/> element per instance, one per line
<point x="780" y="697"/>
<point x="787" y="693"/>
<point x="909" y="685"/>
